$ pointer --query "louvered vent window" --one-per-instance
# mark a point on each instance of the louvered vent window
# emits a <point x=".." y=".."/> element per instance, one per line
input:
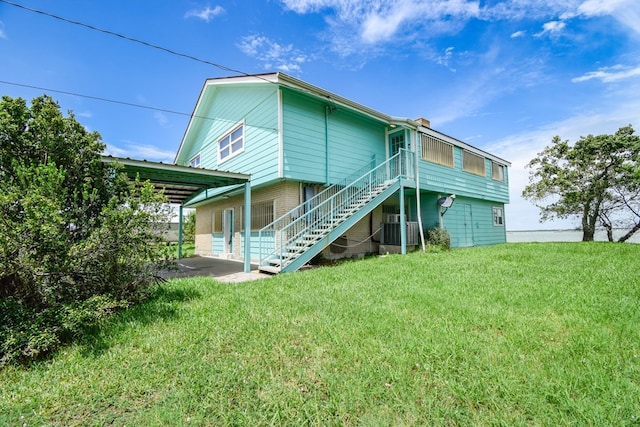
<point x="497" y="171"/>
<point x="437" y="151"/>
<point x="473" y="163"/>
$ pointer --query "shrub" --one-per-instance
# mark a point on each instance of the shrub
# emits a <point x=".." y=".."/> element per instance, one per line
<point x="77" y="240"/>
<point x="439" y="237"/>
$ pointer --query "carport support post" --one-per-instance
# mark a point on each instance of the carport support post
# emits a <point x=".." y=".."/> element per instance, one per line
<point x="247" y="227"/>
<point x="180" y="233"/>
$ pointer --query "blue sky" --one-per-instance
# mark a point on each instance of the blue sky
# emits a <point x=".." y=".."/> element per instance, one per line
<point x="504" y="76"/>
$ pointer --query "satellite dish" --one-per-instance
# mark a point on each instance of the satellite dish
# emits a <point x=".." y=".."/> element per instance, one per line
<point x="446" y="202"/>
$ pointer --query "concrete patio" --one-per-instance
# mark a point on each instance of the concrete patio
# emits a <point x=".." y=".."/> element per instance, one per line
<point x="223" y="270"/>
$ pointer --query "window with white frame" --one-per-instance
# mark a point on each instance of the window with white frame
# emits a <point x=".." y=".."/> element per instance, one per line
<point x="231" y="143"/>
<point x="498" y="217"/>
<point x="436" y="150"/>
<point x="473" y="163"/>
<point x="195" y="161"/>
<point x="497" y="171"/>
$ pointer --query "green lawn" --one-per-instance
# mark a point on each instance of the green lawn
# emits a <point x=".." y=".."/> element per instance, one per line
<point x="516" y="334"/>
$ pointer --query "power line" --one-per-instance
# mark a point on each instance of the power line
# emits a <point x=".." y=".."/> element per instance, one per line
<point x="131" y="39"/>
<point x="130" y="104"/>
<point x="147" y="107"/>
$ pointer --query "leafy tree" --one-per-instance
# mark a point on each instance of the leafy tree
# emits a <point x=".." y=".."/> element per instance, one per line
<point x="189" y="227"/>
<point x="597" y="179"/>
<point x="77" y="240"/>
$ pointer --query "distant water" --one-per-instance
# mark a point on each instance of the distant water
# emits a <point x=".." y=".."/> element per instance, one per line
<point x="564" y="236"/>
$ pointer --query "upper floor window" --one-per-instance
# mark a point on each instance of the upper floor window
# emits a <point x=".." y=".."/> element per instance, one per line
<point x="231" y="144"/>
<point x="497" y="171"/>
<point x="473" y="163"/>
<point x="397" y="143"/>
<point x="195" y="161"/>
<point x="436" y="150"/>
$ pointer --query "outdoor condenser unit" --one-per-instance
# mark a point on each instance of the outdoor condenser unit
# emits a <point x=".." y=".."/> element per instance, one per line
<point x="391" y="233"/>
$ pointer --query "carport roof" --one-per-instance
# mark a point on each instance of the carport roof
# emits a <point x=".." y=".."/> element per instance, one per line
<point x="180" y="183"/>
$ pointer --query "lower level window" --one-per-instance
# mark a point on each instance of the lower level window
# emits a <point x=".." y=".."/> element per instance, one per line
<point x="262" y="214"/>
<point x="498" y="217"/>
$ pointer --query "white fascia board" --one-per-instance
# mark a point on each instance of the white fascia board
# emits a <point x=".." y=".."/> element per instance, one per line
<point x="194" y="115"/>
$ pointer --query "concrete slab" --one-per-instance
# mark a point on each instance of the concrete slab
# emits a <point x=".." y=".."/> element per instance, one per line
<point x="223" y="270"/>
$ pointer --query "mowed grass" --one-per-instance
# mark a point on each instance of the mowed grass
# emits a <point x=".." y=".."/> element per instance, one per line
<point x="517" y="334"/>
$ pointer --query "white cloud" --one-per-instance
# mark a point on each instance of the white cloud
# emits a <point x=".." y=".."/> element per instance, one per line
<point x="626" y="12"/>
<point x="206" y="14"/>
<point x="603" y="7"/>
<point x="362" y="27"/>
<point x="552" y="28"/>
<point x="518" y="34"/>
<point x="610" y="74"/>
<point x="445" y="59"/>
<point x="3" y="34"/>
<point x="272" y="54"/>
<point x="374" y="21"/>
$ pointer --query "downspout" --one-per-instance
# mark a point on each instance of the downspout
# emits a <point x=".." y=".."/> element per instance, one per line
<point x="180" y="232"/>
<point x="280" y="135"/>
<point x="417" y="178"/>
<point x="326" y="144"/>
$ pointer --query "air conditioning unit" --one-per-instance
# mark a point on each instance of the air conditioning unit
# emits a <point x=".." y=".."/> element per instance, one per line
<point x="391" y="233"/>
<point x="392" y="218"/>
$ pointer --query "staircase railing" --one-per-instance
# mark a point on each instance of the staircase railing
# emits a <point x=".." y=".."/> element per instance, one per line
<point x="329" y="208"/>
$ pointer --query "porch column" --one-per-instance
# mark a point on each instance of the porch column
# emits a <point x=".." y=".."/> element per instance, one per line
<point x="180" y="232"/>
<point x="247" y="227"/>
<point x="403" y="222"/>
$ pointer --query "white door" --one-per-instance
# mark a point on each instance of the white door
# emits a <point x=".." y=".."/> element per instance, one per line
<point x="227" y="231"/>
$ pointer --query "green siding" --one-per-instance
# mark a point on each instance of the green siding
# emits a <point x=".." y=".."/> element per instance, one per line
<point x="354" y="141"/>
<point x="312" y="127"/>
<point x="224" y="107"/>
<point x="304" y="138"/>
<point x="217" y="243"/>
<point x="446" y="180"/>
<point x="470" y="223"/>
<point x="255" y="243"/>
<point x="429" y="210"/>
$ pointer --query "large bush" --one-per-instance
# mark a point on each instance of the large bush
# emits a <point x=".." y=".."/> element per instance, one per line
<point x="77" y="240"/>
<point x="439" y="238"/>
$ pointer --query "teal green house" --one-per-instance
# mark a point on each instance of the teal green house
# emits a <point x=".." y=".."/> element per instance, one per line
<point x="330" y="177"/>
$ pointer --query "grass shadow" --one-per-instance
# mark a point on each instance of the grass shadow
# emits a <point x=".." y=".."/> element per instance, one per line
<point x="162" y="305"/>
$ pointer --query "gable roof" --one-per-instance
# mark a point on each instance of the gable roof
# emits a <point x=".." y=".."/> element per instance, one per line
<point x="285" y="80"/>
<point x="282" y="80"/>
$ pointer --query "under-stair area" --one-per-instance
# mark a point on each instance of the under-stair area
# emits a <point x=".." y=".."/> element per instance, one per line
<point x="292" y="240"/>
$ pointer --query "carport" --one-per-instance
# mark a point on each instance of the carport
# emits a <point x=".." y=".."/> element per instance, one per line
<point x="181" y="184"/>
